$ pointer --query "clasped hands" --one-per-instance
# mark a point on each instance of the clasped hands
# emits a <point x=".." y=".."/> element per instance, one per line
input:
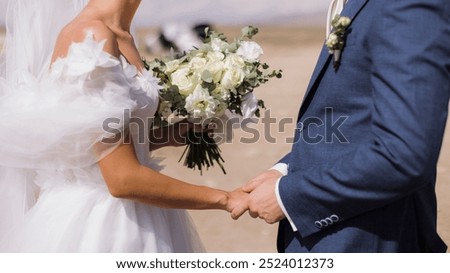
<point x="258" y="198"/>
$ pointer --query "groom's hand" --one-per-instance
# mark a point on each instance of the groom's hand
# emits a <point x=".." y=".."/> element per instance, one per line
<point x="263" y="202"/>
<point x="262" y="178"/>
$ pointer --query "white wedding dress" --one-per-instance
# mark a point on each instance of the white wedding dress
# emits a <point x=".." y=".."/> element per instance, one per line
<point x="54" y="198"/>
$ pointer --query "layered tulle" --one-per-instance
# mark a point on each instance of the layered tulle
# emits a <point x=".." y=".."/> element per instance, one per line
<point x="76" y="213"/>
<point x="54" y="130"/>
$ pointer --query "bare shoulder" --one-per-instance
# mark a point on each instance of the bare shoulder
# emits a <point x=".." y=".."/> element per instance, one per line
<point x="77" y="31"/>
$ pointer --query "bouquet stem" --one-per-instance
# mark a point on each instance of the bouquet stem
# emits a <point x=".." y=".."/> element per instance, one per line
<point x="201" y="150"/>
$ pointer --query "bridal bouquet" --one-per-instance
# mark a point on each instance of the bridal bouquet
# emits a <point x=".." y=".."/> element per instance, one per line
<point x="205" y="82"/>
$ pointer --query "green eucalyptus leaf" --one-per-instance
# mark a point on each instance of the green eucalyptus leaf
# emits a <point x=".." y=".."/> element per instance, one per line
<point x="207" y="76"/>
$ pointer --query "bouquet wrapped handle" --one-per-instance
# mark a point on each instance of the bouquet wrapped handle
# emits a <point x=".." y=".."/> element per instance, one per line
<point x="201" y="151"/>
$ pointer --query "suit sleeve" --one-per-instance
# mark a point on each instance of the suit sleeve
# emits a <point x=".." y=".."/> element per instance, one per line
<point x="285" y="159"/>
<point x="410" y="80"/>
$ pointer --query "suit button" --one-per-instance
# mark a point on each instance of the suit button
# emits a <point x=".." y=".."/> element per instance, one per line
<point x="329" y="221"/>
<point x="324" y="223"/>
<point x="318" y="224"/>
<point x="334" y="218"/>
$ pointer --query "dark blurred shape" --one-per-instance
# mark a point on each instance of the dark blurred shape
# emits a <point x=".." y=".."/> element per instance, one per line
<point x="178" y="37"/>
<point x="200" y="29"/>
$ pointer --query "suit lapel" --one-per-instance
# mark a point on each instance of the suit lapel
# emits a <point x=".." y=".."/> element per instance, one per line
<point x="351" y="10"/>
<point x="353" y="7"/>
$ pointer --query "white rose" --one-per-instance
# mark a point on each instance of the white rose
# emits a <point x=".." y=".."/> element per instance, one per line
<point x="216" y="69"/>
<point x="232" y="78"/>
<point x="200" y="104"/>
<point x="213" y="56"/>
<point x="233" y="74"/>
<point x="250" y="51"/>
<point x="172" y="66"/>
<point x="233" y="61"/>
<point x="218" y="45"/>
<point x="185" y="83"/>
<point x="197" y="63"/>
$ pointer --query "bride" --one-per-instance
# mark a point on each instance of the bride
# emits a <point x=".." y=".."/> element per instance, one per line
<point x="64" y="185"/>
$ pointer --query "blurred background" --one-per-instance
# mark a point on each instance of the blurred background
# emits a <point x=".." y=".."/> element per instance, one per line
<point x="154" y="12"/>
<point x="291" y="34"/>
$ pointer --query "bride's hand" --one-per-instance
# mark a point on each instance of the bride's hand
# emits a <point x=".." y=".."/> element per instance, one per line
<point x="175" y="134"/>
<point x="237" y="203"/>
<point x="181" y="129"/>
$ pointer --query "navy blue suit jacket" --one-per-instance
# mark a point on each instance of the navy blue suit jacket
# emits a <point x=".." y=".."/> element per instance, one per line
<point x="362" y="171"/>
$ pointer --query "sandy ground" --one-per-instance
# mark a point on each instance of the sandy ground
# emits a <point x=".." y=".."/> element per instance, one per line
<point x="295" y="51"/>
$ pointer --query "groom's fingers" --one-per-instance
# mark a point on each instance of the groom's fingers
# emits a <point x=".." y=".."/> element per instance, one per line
<point x="253" y="214"/>
<point x="251" y="185"/>
<point x="260" y="179"/>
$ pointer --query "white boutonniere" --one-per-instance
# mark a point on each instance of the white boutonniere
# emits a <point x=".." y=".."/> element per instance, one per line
<point x="336" y="40"/>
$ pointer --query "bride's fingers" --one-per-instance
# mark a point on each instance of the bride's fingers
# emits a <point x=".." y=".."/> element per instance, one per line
<point x="238" y="212"/>
<point x="197" y="127"/>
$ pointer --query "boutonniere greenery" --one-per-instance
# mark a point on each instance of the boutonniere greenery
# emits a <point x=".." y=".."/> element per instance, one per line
<point x="336" y="40"/>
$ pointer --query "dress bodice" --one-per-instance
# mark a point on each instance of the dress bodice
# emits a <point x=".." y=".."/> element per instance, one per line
<point x="96" y="79"/>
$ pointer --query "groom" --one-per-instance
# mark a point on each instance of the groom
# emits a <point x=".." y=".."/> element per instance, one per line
<point x="361" y="174"/>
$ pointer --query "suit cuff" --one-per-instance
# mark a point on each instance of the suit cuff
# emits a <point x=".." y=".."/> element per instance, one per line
<point x="280" y="203"/>
<point x="281" y="167"/>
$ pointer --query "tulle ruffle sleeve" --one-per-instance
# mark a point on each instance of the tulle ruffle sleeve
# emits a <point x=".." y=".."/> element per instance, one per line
<point x="70" y="118"/>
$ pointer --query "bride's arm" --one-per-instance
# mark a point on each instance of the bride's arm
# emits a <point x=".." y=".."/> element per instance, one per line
<point x="127" y="178"/>
<point x="122" y="172"/>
